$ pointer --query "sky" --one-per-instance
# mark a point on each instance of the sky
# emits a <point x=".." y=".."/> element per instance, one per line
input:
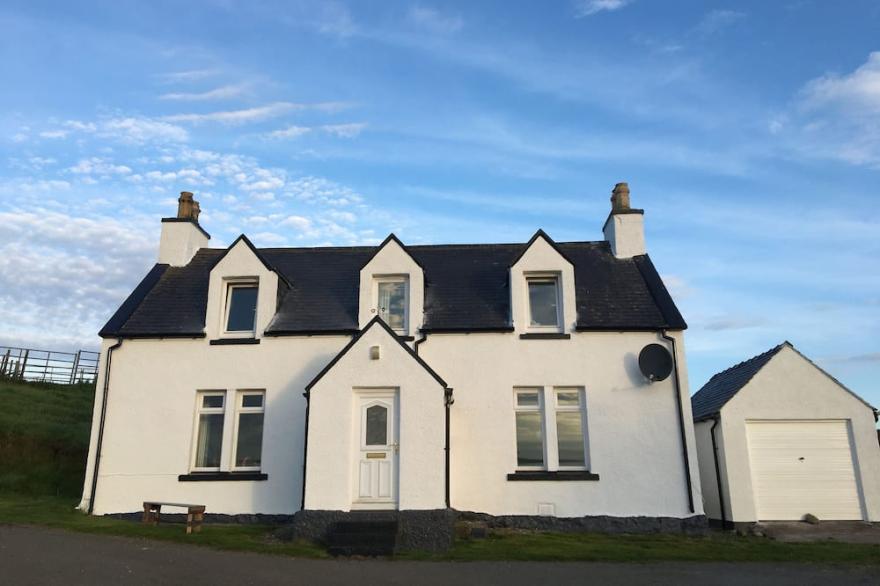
<point x="749" y="132"/>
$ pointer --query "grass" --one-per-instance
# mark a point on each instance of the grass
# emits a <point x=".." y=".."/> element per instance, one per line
<point x="59" y="513"/>
<point x="44" y="433"/>
<point x="44" y="437"/>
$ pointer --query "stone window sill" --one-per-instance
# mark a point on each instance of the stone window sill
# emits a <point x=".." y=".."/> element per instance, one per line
<point x="221" y="476"/>
<point x="558" y="475"/>
<point x="234" y="341"/>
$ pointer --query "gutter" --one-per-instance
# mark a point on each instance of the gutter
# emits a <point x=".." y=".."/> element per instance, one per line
<point x="684" y="447"/>
<point x="717" y="420"/>
<point x="100" y="442"/>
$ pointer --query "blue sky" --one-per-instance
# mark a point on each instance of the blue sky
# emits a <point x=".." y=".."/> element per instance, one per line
<point x="748" y="131"/>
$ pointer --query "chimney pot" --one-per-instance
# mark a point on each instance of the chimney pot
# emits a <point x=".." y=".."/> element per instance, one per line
<point x="620" y="198"/>
<point x="185" y="205"/>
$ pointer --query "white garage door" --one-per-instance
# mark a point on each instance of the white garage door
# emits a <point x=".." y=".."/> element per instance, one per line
<point x="801" y="467"/>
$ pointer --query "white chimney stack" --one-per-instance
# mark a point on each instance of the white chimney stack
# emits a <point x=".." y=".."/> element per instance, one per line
<point x="182" y="236"/>
<point x="624" y="229"/>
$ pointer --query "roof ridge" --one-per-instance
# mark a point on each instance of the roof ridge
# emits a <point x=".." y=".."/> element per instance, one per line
<point x="774" y="349"/>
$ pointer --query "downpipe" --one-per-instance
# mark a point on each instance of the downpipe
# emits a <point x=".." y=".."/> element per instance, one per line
<point x="100" y="442"/>
<point x="717" y="420"/>
<point x="681" y="423"/>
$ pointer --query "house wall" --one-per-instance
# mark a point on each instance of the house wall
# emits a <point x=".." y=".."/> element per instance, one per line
<point x="790" y="387"/>
<point x="149" y="427"/>
<point x="708" y="478"/>
<point x="633" y="429"/>
<point x="332" y="427"/>
<point x="634" y="439"/>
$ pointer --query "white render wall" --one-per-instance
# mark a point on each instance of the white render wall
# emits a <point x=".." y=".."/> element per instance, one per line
<point x="791" y="388"/>
<point x="179" y="242"/>
<point x="333" y="431"/>
<point x="634" y="442"/>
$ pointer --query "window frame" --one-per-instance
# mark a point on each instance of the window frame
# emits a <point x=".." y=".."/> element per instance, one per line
<point x="580" y="408"/>
<point x="228" y="286"/>
<point x="198" y="412"/>
<point x="556" y="279"/>
<point x="239" y="410"/>
<point x="539" y="408"/>
<point x="377" y="279"/>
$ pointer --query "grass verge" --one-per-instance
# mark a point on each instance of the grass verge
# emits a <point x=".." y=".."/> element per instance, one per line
<point x="59" y="513"/>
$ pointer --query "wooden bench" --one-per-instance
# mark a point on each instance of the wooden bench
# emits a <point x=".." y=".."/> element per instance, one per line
<point x="195" y="514"/>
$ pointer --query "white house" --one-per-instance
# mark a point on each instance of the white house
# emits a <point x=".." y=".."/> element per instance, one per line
<point x="779" y="438"/>
<point x="494" y="378"/>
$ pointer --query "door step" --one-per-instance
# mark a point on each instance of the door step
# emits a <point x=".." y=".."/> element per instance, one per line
<point x="362" y="537"/>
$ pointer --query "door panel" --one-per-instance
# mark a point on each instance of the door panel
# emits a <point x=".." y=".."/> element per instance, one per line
<point x="801" y="467"/>
<point x="376" y="450"/>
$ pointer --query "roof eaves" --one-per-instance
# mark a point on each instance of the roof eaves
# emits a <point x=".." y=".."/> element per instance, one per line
<point x="133" y="301"/>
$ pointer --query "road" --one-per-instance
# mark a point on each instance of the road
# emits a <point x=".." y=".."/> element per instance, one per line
<point x="34" y="555"/>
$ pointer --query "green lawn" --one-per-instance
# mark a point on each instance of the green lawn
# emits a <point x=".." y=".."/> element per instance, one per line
<point x="44" y="432"/>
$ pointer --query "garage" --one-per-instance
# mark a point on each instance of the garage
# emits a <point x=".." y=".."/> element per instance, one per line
<point x="779" y="438"/>
<point x="801" y="467"/>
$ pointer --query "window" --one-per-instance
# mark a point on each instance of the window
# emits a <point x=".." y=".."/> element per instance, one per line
<point x="377" y="426"/>
<point x="529" y="429"/>
<point x="241" y="307"/>
<point x="392" y="299"/>
<point x="553" y="438"/>
<point x="250" y="409"/>
<point x="544" y="303"/>
<point x="210" y="412"/>
<point x="570" y="437"/>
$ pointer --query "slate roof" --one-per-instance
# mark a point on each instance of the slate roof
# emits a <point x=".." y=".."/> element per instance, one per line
<point x="466" y="288"/>
<point x="721" y="388"/>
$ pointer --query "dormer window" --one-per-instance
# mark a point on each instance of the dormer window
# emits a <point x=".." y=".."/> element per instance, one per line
<point x="241" y="308"/>
<point x="545" y="308"/>
<point x="392" y="301"/>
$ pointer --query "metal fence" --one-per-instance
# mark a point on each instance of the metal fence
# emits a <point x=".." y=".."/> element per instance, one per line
<point x="48" y="366"/>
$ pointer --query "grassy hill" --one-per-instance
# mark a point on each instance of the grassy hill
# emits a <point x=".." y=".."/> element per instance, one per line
<point x="44" y="437"/>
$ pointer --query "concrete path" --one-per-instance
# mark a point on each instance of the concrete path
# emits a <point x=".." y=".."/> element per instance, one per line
<point x="32" y="555"/>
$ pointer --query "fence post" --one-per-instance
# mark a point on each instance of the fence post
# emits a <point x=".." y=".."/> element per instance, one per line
<point x="23" y="364"/>
<point x="75" y="366"/>
<point x="4" y="363"/>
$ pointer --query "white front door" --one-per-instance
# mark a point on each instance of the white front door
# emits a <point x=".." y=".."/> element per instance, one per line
<point x="376" y="450"/>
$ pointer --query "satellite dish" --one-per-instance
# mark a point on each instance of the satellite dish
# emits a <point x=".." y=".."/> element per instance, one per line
<point x="655" y="362"/>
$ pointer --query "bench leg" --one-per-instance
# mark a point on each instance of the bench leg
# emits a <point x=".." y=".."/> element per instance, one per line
<point x="194" y="519"/>
<point x="151" y="514"/>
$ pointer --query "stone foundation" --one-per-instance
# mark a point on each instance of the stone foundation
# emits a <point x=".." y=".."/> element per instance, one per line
<point x="434" y="530"/>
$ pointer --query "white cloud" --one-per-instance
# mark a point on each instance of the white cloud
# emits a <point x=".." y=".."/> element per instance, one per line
<point x="142" y="130"/>
<point x="81" y="126"/>
<point x="297" y="222"/>
<point x="322" y="191"/>
<point x="19" y="137"/>
<point x="98" y="166"/>
<point x="290" y="132"/>
<point x="221" y="93"/>
<point x="432" y="20"/>
<point x="256" y="114"/>
<point x="717" y="20"/>
<point x="187" y="76"/>
<point x="53" y="134"/>
<point x="349" y="130"/>
<point x="584" y="8"/>
<point x="860" y="89"/>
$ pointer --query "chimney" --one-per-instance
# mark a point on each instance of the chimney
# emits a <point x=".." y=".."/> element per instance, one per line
<point x="182" y="236"/>
<point x="624" y="229"/>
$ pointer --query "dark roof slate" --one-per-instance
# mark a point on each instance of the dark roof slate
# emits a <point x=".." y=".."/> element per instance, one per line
<point x="466" y="288"/>
<point x="721" y="388"/>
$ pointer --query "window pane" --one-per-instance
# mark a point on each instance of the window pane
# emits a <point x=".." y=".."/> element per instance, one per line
<point x="527" y="399"/>
<point x="392" y="303"/>
<point x="542" y="301"/>
<point x="212" y="401"/>
<point x="249" y="450"/>
<point x="377" y="426"/>
<point x="242" y="309"/>
<point x="529" y="441"/>
<point x="252" y="401"/>
<point x="210" y="440"/>
<point x="568" y="398"/>
<point x="571" y="438"/>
